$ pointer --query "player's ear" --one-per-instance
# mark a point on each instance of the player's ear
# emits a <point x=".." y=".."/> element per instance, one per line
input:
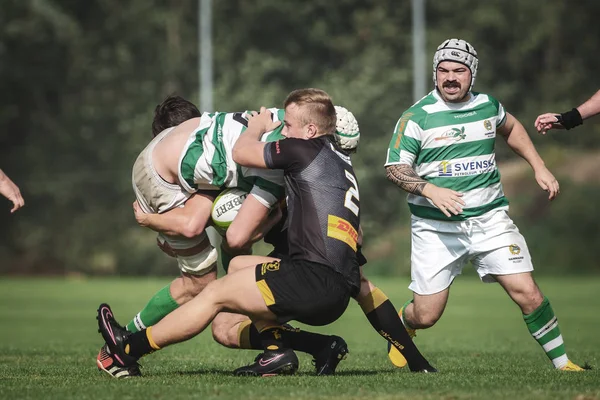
<point x="311" y="131"/>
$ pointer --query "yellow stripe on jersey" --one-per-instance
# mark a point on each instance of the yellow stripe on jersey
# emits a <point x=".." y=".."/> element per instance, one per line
<point x="340" y="229"/>
<point x="265" y="290"/>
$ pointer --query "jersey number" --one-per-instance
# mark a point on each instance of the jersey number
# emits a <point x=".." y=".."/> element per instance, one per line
<point x="352" y="193"/>
<point x="239" y="117"/>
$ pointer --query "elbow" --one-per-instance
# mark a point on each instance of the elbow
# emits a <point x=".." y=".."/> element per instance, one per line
<point x="389" y="174"/>
<point x="236" y="154"/>
<point x="192" y="229"/>
<point x="237" y="239"/>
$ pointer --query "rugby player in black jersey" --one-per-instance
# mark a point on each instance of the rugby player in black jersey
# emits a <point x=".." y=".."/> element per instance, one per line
<point x="316" y="282"/>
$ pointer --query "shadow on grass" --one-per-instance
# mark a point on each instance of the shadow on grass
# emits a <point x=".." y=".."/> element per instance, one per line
<point x="220" y="372"/>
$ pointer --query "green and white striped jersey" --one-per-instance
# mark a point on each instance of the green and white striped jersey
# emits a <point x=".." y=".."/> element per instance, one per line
<point x="451" y="145"/>
<point x="206" y="162"/>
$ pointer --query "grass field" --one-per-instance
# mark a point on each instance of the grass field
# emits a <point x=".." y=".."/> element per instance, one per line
<point x="48" y="342"/>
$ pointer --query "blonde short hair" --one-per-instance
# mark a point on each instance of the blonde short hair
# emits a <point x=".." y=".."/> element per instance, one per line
<point x="317" y="108"/>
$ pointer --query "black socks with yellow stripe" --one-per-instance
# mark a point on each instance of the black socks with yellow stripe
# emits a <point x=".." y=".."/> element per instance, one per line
<point x="306" y="342"/>
<point x="140" y="343"/>
<point x="384" y="318"/>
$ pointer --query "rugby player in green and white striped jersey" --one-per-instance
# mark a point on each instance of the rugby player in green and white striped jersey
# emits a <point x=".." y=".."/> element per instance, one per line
<point x="175" y="180"/>
<point x="442" y="154"/>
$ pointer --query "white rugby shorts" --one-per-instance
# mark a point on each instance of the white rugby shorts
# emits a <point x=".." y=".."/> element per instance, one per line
<point x="440" y="250"/>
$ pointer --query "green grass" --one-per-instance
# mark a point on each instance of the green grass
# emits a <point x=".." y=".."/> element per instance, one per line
<point x="48" y="343"/>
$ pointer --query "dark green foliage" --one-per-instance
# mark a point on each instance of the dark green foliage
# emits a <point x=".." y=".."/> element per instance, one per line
<point x="80" y="80"/>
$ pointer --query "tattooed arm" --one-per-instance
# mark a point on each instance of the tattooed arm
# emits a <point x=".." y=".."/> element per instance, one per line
<point x="405" y="177"/>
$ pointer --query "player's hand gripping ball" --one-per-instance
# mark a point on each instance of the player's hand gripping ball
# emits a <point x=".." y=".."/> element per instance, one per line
<point x="225" y="208"/>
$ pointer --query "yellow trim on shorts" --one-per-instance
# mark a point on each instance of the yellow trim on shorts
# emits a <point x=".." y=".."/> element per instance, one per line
<point x="265" y="290"/>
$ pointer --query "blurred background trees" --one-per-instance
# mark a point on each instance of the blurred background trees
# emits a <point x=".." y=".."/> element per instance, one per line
<point x="80" y="80"/>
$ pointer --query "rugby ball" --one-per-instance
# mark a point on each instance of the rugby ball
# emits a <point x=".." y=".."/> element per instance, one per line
<point x="225" y="208"/>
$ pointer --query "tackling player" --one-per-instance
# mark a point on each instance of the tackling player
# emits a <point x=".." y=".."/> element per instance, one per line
<point x="237" y="331"/>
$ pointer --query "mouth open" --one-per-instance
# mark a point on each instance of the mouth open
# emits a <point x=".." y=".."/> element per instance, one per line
<point x="452" y="89"/>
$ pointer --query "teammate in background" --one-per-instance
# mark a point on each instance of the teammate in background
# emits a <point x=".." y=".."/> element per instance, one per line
<point x="11" y="191"/>
<point x="442" y="154"/>
<point x="569" y="119"/>
<point x="315" y="284"/>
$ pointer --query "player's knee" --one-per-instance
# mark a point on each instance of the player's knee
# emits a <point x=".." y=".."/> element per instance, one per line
<point x="366" y="287"/>
<point x="222" y="335"/>
<point x="194" y="284"/>
<point x="528" y="297"/>
<point x="423" y="319"/>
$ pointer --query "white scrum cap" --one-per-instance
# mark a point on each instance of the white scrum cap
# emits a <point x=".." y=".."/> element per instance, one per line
<point x="459" y="51"/>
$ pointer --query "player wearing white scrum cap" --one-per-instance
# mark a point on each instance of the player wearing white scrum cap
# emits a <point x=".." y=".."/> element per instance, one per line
<point x="442" y="153"/>
<point x="459" y="51"/>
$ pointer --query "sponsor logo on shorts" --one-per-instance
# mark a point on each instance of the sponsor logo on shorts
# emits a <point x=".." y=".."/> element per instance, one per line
<point x="515" y="250"/>
<point x="454" y="134"/>
<point x="270" y="266"/>
<point x="277" y="148"/>
<point x="340" y="229"/>
<point x="466" y="168"/>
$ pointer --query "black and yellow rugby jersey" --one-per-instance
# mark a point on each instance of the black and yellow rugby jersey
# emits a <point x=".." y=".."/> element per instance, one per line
<point x="323" y="203"/>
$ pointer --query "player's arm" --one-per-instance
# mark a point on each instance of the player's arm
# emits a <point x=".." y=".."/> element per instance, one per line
<point x="569" y="119"/>
<point x="403" y="150"/>
<point x="518" y="140"/>
<point x="591" y="107"/>
<point x="248" y="150"/>
<point x="188" y="221"/>
<point x="250" y="224"/>
<point x="405" y="177"/>
<point x="11" y="191"/>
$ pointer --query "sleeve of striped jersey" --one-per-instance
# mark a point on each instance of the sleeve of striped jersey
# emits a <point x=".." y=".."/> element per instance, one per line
<point x="406" y="142"/>
<point x="268" y="185"/>
<point x="263" y="196"/>
<point x="501" y="119"/>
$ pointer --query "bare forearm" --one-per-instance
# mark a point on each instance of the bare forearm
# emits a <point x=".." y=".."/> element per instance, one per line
<point x="519" y="142"/>
<point x="405" y="177"/>
<point x="169" y="223"/>
<point x="590" y="107"/>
